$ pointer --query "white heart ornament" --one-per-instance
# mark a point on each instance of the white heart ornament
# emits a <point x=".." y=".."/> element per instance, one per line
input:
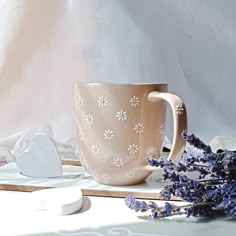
<point x="41" y="159"/>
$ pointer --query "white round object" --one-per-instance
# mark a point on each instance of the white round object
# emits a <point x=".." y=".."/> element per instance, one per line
<point x="58" y="201"/>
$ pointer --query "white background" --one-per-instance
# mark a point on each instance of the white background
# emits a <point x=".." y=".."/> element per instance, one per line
<point x="46" y="46"/>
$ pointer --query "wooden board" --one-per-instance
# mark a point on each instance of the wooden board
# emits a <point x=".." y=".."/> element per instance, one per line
<point x="11" y="180"/>
<point x="87" y="192"/>
<point x="71" y="162"/>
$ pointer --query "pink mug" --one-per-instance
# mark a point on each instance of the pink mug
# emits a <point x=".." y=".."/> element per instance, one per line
<point x="118" y="125"/>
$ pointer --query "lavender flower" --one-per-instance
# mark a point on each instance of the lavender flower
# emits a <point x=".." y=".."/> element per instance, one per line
<point x="196" y="142"/>
<point x="156" y="211"/>
<point x="211" y="193"/>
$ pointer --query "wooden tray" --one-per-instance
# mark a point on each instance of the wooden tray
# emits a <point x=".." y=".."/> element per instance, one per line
<point x="11" y="179"/>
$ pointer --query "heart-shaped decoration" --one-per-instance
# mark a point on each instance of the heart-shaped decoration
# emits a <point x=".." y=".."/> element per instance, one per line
<point x="41" y="159"/>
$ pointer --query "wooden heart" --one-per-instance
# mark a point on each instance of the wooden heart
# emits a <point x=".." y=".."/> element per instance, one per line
<point x="41" y="159"/>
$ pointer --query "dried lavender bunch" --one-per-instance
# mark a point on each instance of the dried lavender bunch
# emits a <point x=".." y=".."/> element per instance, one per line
<point x="211" y="193"/>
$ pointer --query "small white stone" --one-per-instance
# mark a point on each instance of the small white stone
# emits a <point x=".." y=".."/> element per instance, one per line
<point x="58" y="201"/>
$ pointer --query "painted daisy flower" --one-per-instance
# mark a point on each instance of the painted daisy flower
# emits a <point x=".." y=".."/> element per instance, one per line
<point x="95" y="149"/>
<point x="179" y="109"/>
<point x="118" y="162"/>
<point x="106" y="176"/>
<point x="134" y="101"/>
<point x="81" y="135"/>
<point x="102" y="101"/>
<point x="89" y="119"/>
<point x="133" y="148"/>
<point x="130" y="174"/>
<point x="122" y="115"/>
<point x="139" y="128"/>
<point x="84" y="163"/>
<point x="109" y="134"/>
<point x="80" y="101"/>
<point x="161" y="129"/>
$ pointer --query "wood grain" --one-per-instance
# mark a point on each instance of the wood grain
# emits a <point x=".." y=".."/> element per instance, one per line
<point x="71" y="162"/>
<point x="88" y="192"/>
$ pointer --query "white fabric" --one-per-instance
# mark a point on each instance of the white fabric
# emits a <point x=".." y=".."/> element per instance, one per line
<point x="45" y="46"/>
<point x="10" y="150"/>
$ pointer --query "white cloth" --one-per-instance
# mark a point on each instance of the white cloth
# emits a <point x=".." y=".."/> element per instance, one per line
<point x="10" y="148"/>
<point x="45" y="46"/>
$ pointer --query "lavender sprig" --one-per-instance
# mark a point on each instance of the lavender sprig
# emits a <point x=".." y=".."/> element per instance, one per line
<point x="169" y="209"/>
<point x="212" y="192"/>
<point x="196" y="142"/>
<point x="156" y="211"/>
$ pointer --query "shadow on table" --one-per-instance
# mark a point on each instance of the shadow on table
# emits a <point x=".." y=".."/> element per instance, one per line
<point x="172" y="227"/>
<point x="86" y="206"/>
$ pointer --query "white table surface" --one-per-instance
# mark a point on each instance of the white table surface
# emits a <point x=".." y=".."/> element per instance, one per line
<point x="99" y="216"/>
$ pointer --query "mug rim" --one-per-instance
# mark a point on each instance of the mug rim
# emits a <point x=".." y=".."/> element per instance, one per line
<point x="117" y="84"/>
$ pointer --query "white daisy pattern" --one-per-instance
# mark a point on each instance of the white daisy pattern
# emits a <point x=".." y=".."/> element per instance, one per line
<point x="133" y="148"/>
<point x="179" y="109"/>
<point x="102" y="101"/>
<point x="130" y="174"/>
<point x="81" y="135"/>
<point x="80" y="101"/>
<point x="89" y="119"/>
<point x="109" y="134"/>
<point x="106" y="176"/>
<point x="95" y="149"/>
<point x="161" y="129"/>
<point x="84" y="163"/>
<point x="118" y="162"/>
<point x="134" y="101"/>
<point x="122" y="115"/>
<point x="139" y="128"/>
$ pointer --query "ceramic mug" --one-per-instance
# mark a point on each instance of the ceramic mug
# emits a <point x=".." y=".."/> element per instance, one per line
<point x="118" y="125"/>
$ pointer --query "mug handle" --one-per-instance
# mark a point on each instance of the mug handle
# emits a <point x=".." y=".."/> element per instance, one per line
<point x="179" y="118"/>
